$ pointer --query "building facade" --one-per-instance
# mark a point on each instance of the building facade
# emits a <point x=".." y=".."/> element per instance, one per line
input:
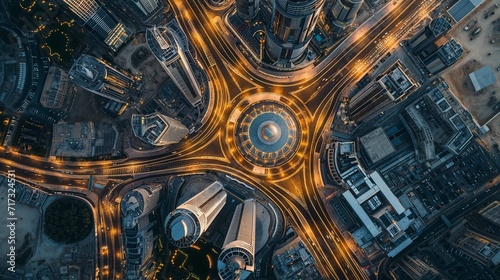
<point x="135" y="207"/>
<point x="97" y="76"/>
<point x="237" y="259"/>
<point x="291" y="29"/>
<point x="190" y="220"/>
<point x="99" y="22"/>
<point x="344" y="13"/>
<point x="247" y="10"/>
<point x="166" y="45"/>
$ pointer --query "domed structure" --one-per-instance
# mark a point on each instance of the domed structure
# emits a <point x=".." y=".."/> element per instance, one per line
<point x="267" y="133"/>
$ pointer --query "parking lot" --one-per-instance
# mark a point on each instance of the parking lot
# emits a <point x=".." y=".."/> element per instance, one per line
<point x="465" y="173"/>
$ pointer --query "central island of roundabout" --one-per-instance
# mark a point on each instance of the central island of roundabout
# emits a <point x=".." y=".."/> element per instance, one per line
<point x="267" y="133"/>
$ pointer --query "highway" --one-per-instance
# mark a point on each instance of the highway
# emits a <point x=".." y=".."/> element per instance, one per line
<point x="293" y="187"/>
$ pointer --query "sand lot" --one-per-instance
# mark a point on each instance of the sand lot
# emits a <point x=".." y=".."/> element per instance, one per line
<point x="477" y="53"/>
<point x="28" y="223"/>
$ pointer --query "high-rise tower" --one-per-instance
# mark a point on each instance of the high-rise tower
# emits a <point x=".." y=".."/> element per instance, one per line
<point x="247" y="9"/>
<point x="344" y="13"/>
<point x="236" y="261"/>
<point x="97" y="76"/>
<point x="99" y="22"/>
<point x="158" y="129"/>
<point x="166" y="44"/>
<point x="423" y="44"/>
<point x="190" y="220"/>
<point x="290" y="29"/>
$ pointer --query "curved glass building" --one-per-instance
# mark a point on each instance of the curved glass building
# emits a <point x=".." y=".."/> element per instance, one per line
<point x="189" y="221"/>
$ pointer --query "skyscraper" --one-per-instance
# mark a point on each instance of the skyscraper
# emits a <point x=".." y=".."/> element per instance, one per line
<point x="344" y="13"/>
<point x="189" y="221"/>
<point x="157" y="129"/>
<point x="236" y="261"/>
<point x="138" y="226"/>
<point x="97" y="76"/>
<point x="423" y="43"/>
<point x="290" y="29"/>
<point x="247" y="9"/>
<point x="166" y="44"/>
<point x="99" y="22"/>
<point x="147" y="6"/>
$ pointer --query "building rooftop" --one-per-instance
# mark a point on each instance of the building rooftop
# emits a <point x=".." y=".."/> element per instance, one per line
<point x="396" y="82"/>
<point x="73" y="140"/>
<point x="56" y="89"/>
<point x="294" y="261"/>
<point x="492" y="212"/>
<point x="482" y="78"/>
<point x="462" y="8"/>
<point x="377" y="145"/>
<point x="83" y="139"/>
<point x="97" y="76"/>
<point x="157" y="129"/>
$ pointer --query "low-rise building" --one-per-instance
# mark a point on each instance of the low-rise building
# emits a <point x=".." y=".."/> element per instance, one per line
<point x="57" y="89"/>
<point x="82" y="140"/>
<point x="294" y="262"/>
<point x="432" y="119"/>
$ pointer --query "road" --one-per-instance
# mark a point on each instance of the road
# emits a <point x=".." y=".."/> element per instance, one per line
<point x="292" y="187"/>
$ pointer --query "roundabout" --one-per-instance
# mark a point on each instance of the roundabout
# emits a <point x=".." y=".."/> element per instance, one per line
<point x="266" y="133"/>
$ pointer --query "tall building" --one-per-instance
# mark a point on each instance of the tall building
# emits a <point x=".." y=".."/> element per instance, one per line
<point x="236" y="261"/>
<point x="247" y="9"/>
<point x="344" y="13"/>
<point x="147" y="6"/>
<point x="99" y="22"/>
<point x="189" y="221"/>
<point x="137" y="225"/>
<point x="145" y="9"/>
<point x="444" y="56"/>
<point x="97" y="76"/>
<point x="166" y="45"/>
<point x="290" y="29"/>
<point x="157" y="129"/>
<point x="422" y="44"/>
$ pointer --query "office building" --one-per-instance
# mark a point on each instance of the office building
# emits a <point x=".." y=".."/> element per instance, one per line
<point x="137" y="226"/>
<point x="190" y="220"/>
<point x="444" y="56"/>
<point x="344" y="13"/>
<point x="170" y="50"/>
<point x="432" y="121"/>
<point x="290" y="29"/>
<point x="237" y="259"/>
<point x="147" y="7"/>
<point x="97" y="76"/>
<point x="293" y="261"/>
<point x="247" y="10"/>
<point x="57" y="89"/>
<point x="422" y="44"/>
<point x="99" y="22"/>
<point x="157" y="129"/>
<point x="413" y="268"/>
<point x="389" y="88"/>
<point x="492" y="213"/>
